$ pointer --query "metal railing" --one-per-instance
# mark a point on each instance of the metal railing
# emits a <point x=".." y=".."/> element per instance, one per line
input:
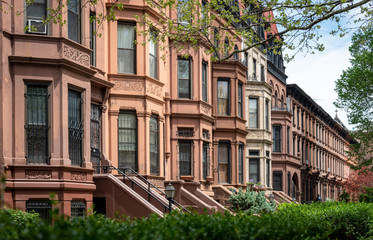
<point x="123" y="172"/>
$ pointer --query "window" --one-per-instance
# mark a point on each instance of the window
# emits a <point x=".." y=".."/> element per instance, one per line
<point x="37" y="125"/>
<point x="73" y="20"/>
<point x="262" y="75"/>
<point x="42" y="207"/>
<point x="204" y="82"/>
<point x="277" y="181"/>
<point x="239" y="97"/>
<point x="126" y="48"/>
<point x="77" y="209"/>
<point x="76" y="129"/>
<point x="185" y="158"/>
<point x="289" y="182"/>
<point x="276" y="97"/>
<point x="95" y="136"/>
<point x="92" y="37"/>
<point x="266" y="111"/>
<point x="183" y="12"/>
<point x="184" y="78"/>
<point x="293" y="145"/>
<point x="302" y="121"/>
<point x="153" y="55"/>
<point x="235" y="56"/>
<point x="216" y="42"/>
<point x="240" y="163"/>
<point x="276" y="135"/>
<point x="223" y="97"/>
<point x="298" y="117"/>
<point x="253" y="113"/>
<point x="288" y="140"/>
<point x="224" y="159"/>
<point x="154" y="145"/>
<point x="127" y="140"/>
<point x="36" y="12"/>
<point x="254" y="169"/>
<point x="268" y="165"/>
<point x="205" y="160"/>
<point x="254" y="69"/>
<point x="226" y="47"/>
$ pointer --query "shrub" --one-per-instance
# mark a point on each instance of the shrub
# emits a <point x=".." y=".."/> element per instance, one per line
<point x="367" y="196"/>
<point x="251" y="202"/>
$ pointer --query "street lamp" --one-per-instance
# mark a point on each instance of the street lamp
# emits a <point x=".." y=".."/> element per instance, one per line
<point x="170" y="193"/>
<point x="294" y="200"/>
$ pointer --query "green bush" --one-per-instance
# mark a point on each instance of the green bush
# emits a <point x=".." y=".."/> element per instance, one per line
<point x="290" y="221"/>
<point x="251" y="202"/>
<point x="367" y="196"/>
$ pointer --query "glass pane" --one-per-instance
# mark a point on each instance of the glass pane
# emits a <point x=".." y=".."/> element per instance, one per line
<point x="184" y="88"/>
<point x="223" y="153"/>
<point x="183" y="69"/>
<point x="127" y="140"/>
<point x="204" y="82"/>
<point x="36" y="10"/>
<point x="73" y="26"/>
<point x="185" y="158"/>
<point x="126" y="61"/>
<point x="223" y="89"/>
<point x="253" y="170"/>
<point x="73" y="6"/>
<point x="153" y="66"/>
<point x="126" y="36"/>
<point x="154" y="147"/>
<point x="253" y="113"/>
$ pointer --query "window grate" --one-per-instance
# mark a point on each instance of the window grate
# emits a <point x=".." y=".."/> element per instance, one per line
<point x="75" y="128"/>
<point x="154" y="145"/>
<point x="185" y="158"/>
<point x="206" y="160"/>
<point x="95" y="136"/>
<point x="77" y="208"/>
<point x="42" y="207"/>
<point x="37" y="128"/>
<point x="127" y="140"/>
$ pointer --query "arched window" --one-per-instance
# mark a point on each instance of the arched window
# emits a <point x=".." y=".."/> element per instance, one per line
<point x="282" y="102"/>
<point x="226" y="46"/>
<point x="275" y="98"/>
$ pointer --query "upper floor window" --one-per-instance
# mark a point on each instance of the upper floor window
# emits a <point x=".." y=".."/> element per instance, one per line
<point x="35" y="13"/>
<point x="183" y="12"/>
<point x="92" y="37"/>
<point x="37" y="125"/>
<point x="253" y="113"/>
<point x="204" y="82"/>
<point x="126" y="48"/>
<point x="223" y="97"/>
<point x="184" y="78"/>
<point x="153" y="55"/>
<point x="239" y="98"/>
<point x="276" y="137"/>
<point x="73" y="20"/>
<point x="266" y="110"/>
<point x="262" y="74"/>
<point x="76" y="128"/>
<point x="226" y="47"/>
<point x="235" y="56"/>
<point x="254" y="69"/>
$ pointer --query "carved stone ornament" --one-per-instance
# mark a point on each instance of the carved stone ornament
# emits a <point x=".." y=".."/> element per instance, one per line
<point x="153" y="89"/>
<point x="131" y="86"/>
<point x="76" y="55"/>
<point x="78" y="176"/>
<point x="205" y="110"/>
<point x="38" y="174"/>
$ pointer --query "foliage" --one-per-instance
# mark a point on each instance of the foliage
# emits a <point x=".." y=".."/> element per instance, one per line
<point x="291" y="221"/>
<point x="355" y="95"/>
<point x="367" y="196"/>
<point x="345" y="197"/>
<point x="251" y="202"/>
<point x="357" y="181"/>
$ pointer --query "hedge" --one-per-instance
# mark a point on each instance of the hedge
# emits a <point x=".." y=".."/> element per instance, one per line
<point x="290" y="221"/>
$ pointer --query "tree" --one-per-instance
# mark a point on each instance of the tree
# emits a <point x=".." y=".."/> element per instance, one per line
<point x="252" y="21"/>
<point x="355" y="95"/>
<point x="358" y="182"/>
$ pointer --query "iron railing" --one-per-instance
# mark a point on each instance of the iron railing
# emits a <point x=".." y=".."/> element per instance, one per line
<point x="123" y="172"/>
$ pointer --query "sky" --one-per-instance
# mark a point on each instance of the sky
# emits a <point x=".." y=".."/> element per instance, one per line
<point x="316" y="73"/>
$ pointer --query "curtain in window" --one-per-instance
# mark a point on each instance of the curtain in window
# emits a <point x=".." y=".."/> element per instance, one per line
<point x="224" y="163"/>
<point x="223" y="98"/>
<point x="253" y="112"/>
<point x="184" y="78"/>
<point x="127" y="140"/>
<point x="126" y="48"/>
<point x="153" y="66"/>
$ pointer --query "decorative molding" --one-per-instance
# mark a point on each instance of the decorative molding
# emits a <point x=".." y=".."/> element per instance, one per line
<point x="38" y="174"/>
<point x="78" y="176"/>
<point x="76" y="55"/>
<point x="130" y="86"/>
<point x="153" y="89"/>
<point x="206" y="110"/>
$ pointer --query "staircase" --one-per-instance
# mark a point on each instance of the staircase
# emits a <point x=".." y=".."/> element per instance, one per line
<point x="131" y="194"/>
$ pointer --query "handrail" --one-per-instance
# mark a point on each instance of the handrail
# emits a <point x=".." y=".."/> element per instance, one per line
<point x="159" y="190"/>
<point x="134" y="182"/>
<point x="149" y="184"/>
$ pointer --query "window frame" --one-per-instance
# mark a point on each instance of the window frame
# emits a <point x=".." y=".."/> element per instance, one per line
<point x="241" y="163"/>
<point x="204" y="81"/>
<point x="188" y="79"/>
<point x="240" y="99"/>
<point x="37" y="18"/>
<point x="79" y="22"/>
<point x="256" y="113"/>
<point x="228" y="99"/>
<point x="153" y="36"/>
<point x="92" y="37"/>
<point x="76" y="159"/>
<point x="229" y="154"/>
<point x="190" y="161"/>
<point x="133" y="49"/>
<point x="155" y="160"/>
<point x="135" y="129"/>
<point x="274" y="139"/>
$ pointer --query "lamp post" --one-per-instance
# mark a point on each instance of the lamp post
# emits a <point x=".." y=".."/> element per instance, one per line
<point x="170" y="193"/>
